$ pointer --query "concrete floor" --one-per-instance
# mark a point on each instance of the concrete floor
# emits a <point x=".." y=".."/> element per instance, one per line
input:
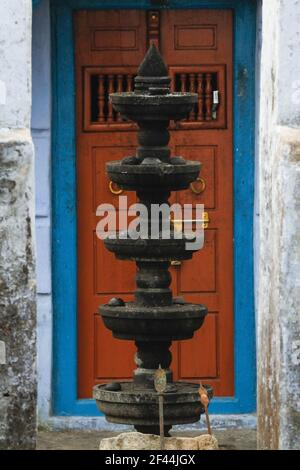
<point x="231" y="439"/>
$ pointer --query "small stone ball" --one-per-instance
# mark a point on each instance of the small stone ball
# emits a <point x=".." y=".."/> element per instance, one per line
<point x="177" y="161"/>
<point x="178" y="301"/>
<point x="151" y="161"/>
<point x="130" y="161"/>
<point x="116" y="302"/>
<point x="113" y="387"/>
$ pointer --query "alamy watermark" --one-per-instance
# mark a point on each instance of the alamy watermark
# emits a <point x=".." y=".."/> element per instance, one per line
<point x="160" y="221"/>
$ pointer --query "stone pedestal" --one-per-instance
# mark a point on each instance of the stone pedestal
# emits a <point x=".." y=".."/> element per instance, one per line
<point x="139" y="441"/>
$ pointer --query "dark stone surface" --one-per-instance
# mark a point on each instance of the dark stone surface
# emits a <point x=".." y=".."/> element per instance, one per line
<point x="172" y="177"/>
<point x="147" y="249"/>
<point x="116" y="302"/>
<point x="154" y="319"/>
<point x="130" y="161"/>
<point x="178" y="301"/>
<point x="113" y="387"/>
<point x="139" y="407"/>
<point x="153" y="65"/>
<point x="150" y="108"/>
<point x="167" y="323"/>
<point x="178" y="161"/>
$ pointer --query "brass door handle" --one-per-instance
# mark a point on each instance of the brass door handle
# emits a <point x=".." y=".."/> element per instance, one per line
<point x="177" y="223"/>
<point x="114" y="188"/>
<point x="205" y="220"/>
<point x="175" y="263"/>
<point x="200" y="189"/>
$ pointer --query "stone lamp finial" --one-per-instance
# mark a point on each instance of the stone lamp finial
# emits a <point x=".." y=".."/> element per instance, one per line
<point x="152" y="75"/>
<point x="153" y="64"/>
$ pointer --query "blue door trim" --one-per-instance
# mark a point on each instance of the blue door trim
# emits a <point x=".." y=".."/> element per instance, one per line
<point x="64" y="249"/>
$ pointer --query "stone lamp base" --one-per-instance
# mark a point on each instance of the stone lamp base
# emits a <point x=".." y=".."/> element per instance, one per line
<point x="139" y="441"/>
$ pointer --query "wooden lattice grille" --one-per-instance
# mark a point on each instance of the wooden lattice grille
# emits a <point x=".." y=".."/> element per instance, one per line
<point x="207" y="82"/>
<point x="204" y="84"/>
<point x="101" y="86"/>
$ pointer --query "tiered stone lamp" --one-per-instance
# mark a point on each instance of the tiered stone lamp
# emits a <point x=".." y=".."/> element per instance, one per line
<point x="154" y="319"/>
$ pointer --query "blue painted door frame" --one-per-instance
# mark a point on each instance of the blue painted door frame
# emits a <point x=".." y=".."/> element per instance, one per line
<point x="64" y="247"/>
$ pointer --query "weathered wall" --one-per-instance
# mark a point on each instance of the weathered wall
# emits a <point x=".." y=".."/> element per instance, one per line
<point x="278" y="315"/>
<point x="17" y="267"/>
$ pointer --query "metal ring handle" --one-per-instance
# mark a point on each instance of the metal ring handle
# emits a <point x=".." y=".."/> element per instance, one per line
<point x="113" y="190"/>
<point x="202" y="187"/>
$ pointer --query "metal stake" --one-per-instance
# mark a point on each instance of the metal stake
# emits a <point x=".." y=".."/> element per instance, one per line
<point x="160" y="383"/>
<point x="161" y="421"/>
<point x="207" y="421"/>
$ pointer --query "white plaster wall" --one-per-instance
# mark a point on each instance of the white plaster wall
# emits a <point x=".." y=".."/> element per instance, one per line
<point x="17" y="240"/>
<point x="41" y="133"/>
<point x="289" y="63"/>
<point x="288" y="203"/>
<point x="16" y="92"/>
<point x="279" y="201"/>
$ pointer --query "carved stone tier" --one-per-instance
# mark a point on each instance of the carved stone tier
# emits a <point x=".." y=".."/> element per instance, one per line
<point x="148" y="250"/>
<point x="138" y="406"/>
<point x="141" y="176"/>
<point x="139" y="323"/>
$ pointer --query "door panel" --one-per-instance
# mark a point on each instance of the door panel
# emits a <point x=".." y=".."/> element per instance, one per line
<point x="112" y="360"/>
<point x="199" y="274"/>
<point x="197" y="46"/>
<point x="111" y="275"/>
<point x="205" y="340"/>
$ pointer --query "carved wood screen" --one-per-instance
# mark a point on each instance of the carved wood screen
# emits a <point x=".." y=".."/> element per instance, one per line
<point x="207" y="81"/>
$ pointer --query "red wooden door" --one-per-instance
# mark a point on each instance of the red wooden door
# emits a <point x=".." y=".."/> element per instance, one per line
<point x="197" y="46"/>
